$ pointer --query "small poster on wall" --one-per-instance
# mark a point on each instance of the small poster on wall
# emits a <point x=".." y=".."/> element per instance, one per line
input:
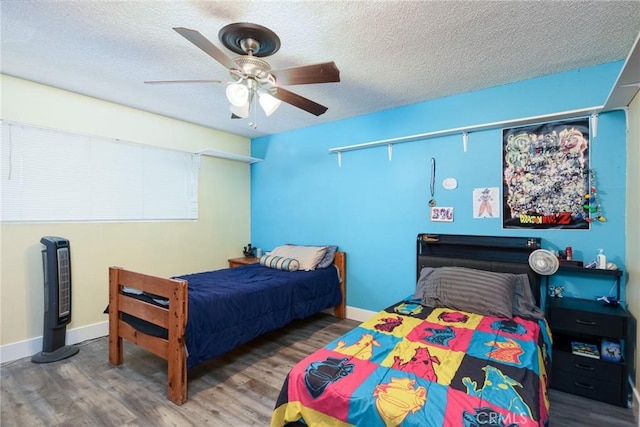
<point x="442" y="214"/>
<point x="486" y="202"/>
<point x="546" y="175"/>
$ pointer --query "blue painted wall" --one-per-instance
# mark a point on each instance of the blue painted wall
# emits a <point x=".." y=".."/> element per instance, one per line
<point x="373" y="208"/>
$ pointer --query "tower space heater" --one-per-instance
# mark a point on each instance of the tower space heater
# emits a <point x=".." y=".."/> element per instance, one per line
<point x="56" y="261"/>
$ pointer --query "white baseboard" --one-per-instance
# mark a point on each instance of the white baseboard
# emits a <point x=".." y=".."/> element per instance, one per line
<point x="27" y="348"/>
<point x="354" y="313"/>
<point x="359" y="314"/>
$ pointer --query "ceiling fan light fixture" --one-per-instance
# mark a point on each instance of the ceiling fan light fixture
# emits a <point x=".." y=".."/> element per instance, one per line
<point x="268" y="102"/>
<point x="241" y="111"/>
<point x="238" y="94"/>
<point x="252" y="77"/>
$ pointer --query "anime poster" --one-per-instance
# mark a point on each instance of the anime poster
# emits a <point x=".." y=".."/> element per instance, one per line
<point x="546" y="175"/>
<point x="486" y="202"/>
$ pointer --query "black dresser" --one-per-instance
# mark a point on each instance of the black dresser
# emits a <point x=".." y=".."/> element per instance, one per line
<point x="590" y="322"/>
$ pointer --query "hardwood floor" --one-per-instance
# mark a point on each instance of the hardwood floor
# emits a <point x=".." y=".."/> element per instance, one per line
<point x="237" y="389"/>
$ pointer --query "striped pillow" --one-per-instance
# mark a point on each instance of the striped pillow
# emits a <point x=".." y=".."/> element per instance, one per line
<point x="307" y="256"/>
<point x="476" y="291"/>
<point x="280" y="263"/>
<point x="524" y="303"/>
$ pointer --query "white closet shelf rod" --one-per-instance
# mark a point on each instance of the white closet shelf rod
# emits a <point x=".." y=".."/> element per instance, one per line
<point x="466" y="129"/>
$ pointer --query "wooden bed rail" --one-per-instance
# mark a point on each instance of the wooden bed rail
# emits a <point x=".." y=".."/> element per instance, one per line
<point x="174" y="319"/>
<point x="340" y="261"/>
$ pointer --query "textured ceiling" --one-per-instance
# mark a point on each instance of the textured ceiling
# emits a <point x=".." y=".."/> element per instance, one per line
<point x="390" y="53"/>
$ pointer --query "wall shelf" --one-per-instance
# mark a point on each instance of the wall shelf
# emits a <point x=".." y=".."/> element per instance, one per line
<point x="465" y="130"/>
<point x="594" y="272"/>
<point x="590" y="271"/>
<point x="628" y="83"/>
<point x="623" y="91"/>
<point x="229" y="156"/>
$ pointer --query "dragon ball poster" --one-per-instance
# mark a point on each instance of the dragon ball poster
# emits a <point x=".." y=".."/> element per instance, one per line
<point x="486" y="202"/>
<point x="546" y="175"/>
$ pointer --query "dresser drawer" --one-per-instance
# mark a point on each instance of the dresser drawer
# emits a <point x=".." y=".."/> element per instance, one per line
<point x="586" y="322"/>
<point x="604" y="391"/>
<point x="587" y="367"/>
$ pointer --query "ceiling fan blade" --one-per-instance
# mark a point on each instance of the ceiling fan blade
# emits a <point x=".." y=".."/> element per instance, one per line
<point x="209" y="48"/>
<point x="299" y="101"/>
<point x="154" y="82"/>
<point x="326" y="72"/>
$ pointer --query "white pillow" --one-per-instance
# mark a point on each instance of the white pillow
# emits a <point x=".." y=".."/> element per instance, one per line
<point x="307" y="256"/>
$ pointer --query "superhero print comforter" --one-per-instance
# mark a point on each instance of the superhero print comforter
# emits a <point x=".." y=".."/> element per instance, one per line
<point x="412" y="365"/>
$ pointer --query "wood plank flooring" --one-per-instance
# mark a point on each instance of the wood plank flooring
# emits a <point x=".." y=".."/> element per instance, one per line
<point x="237" y="389"/>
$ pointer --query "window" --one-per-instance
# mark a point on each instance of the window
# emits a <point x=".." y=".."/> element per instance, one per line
<point x="50" y="175"/>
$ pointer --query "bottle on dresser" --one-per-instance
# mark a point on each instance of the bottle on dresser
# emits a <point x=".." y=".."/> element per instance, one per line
<point x="601" y="259"/>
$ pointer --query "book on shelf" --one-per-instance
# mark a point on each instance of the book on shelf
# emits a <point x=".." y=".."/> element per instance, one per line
<point x="611" y="351"/>
<point x="585" y="349"/>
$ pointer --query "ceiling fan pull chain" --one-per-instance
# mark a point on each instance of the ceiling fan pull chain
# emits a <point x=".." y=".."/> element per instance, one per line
<point x="253" y="115"/>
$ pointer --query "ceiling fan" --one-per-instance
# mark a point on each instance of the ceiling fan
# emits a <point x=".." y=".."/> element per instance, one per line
<point x="252" y="79"/>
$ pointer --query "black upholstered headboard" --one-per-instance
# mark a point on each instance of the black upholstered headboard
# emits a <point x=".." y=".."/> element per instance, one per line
<point x="491" y="253"/>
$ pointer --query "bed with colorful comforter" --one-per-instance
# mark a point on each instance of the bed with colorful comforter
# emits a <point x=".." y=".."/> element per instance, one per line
<point x="470" y="347"/>
<point x="414" y="365"/>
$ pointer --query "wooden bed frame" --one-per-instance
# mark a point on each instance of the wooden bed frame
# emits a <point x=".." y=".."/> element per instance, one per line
<point x="173" y="318"/>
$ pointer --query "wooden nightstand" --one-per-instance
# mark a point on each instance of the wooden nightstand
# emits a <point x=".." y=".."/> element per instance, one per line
<point x="589" y="322"/>
<point x="245" y="260"/>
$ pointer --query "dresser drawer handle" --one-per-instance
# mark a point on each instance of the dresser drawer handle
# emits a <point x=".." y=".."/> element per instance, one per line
<point x="581" y="385"/>
<point x="585" y="367"/>
<point x="585" y="322"/>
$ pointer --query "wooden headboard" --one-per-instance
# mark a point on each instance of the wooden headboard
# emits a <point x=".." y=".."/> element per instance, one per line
<point x="490" y="253"/>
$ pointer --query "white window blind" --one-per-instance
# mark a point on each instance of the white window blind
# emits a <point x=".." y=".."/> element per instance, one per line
<point x="49" y="175"/>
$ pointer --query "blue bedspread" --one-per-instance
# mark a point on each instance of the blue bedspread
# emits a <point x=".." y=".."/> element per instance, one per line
<point x="230" y="307"/>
